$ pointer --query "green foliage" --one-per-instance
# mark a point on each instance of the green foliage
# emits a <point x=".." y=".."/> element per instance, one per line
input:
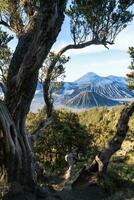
<point x="98" y="19"/>
<point x="88" y="130"/>
<point x="53" y="67"/>
<point x="33" y="120"/>
<point x="103" y="117"/>
<point x="119" y="183"/>
<point x="5" y="55"/>
<point x="15" y="15"/>
<point x="3" y="5"/>
<point x="131" y="67"/>
<point x="59" y="138"/>
<point x="101" y="124"/>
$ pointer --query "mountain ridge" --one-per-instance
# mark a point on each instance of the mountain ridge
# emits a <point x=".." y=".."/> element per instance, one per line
<point x="91" y="76"/>
<point x="109" y="88"/>
<point x="87" y="99"/>
<point x="108" y="91"/>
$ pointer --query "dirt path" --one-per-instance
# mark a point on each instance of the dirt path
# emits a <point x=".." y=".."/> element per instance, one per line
<point x="53" y="190"/>
<point x="82" y="191"/>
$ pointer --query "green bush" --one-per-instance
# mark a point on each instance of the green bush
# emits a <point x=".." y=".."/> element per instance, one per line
<point x="60" y="137"/>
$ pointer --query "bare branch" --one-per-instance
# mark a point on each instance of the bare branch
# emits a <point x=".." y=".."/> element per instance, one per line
<point x="83" y="45"/>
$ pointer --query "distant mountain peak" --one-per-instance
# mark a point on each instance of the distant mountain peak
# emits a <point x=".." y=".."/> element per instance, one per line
<point x="89" y="77"/>
<point x="90" y="90"/>
<point x="92" y="77"/>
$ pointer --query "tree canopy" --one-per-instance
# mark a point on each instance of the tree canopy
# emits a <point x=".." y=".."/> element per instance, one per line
<point x="98" y="20"/>
<point x="5" y="57"/>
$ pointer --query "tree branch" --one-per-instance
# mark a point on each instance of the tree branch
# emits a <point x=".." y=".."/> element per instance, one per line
<point x="83" y="45"/>
<point x="46" y="29"/>
<point x="114" y="144"/>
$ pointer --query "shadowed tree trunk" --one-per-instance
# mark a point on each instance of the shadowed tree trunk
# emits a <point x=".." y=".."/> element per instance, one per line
<point x="33" y="47"/>
<point x="15" y="149"/>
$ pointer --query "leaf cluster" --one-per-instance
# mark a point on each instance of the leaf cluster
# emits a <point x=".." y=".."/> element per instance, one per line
<point x="56" y="62"/>
<point x="5" y="55"/>
<point x="98" y="19"/>
<point x="17" y="14"/>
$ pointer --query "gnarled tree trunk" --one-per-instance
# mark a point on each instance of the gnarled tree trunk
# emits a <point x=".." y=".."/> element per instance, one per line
<point x="12" y="149"/>
<point x="17" y="156"/>
<point x="33" y="47"/>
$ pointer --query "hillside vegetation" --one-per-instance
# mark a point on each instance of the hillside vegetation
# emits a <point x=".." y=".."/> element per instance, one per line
<point x="88" y="131"/>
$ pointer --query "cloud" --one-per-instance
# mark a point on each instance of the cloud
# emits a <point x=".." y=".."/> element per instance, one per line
<point x="110" y="63"/>
<point x="118" y="67"/>
<point x="124" y="39"/>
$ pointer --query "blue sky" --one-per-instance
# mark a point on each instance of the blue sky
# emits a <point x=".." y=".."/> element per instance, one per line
<point x="96" y="59"/>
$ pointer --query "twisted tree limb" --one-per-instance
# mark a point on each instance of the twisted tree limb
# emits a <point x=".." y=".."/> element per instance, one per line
<point x="101" y="161"/>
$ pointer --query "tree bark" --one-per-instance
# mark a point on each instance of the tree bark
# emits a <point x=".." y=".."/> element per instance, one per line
<point x="46" y="89"/>
<point x="48" y="25"/>
<point x="101" y="161"/>
<point x="33" y="47"/>
<point x="10" y="138"/>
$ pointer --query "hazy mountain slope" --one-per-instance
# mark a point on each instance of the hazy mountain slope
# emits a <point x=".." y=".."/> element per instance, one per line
<point x="111" y="86"/>
<point x="88" y="91"/>
<point x="87" y="99"/>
